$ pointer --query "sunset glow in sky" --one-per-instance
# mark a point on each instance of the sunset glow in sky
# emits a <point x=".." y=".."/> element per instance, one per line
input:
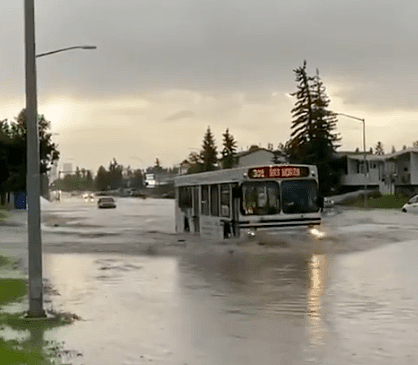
<point x="165" y="70"/>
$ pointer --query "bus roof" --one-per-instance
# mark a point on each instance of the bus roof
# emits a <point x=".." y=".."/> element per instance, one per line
<point x="231" y="175"/>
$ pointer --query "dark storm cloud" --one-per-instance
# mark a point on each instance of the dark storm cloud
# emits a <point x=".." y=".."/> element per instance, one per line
<point x="370" y="47"/>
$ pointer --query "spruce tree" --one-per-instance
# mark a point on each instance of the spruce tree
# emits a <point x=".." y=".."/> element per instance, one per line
<point x="229" y="150"/>
<point x="208" y="153"/>
<point x="302" y="113"/>
<point x="325" y="121"/>
<point x="313" y="140"/>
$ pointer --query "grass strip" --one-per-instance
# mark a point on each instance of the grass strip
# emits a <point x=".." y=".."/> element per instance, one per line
<point x="33" y="350"/>
<point x="383" y="202"/>
<point x="12" y="352"/>
<point x="12" y="290"/>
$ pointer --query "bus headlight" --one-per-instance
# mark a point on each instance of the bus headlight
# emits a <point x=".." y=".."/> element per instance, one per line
<point x="317" y="233"/>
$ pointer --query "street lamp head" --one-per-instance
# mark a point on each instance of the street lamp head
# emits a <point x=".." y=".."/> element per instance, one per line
<point x="88" y="47"/>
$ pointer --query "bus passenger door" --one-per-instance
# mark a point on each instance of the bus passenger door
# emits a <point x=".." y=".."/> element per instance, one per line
<point x="195" y="209"/>
<point x="236" y="201"/>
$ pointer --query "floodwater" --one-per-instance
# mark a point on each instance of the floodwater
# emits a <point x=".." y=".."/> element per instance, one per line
<point x="349" y="298"/>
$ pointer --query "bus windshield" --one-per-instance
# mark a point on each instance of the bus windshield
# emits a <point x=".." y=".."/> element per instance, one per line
<point x="260" y="198"/>
<point x="300" y="196"/>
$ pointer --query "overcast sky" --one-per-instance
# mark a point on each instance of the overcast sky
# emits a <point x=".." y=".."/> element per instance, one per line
<point x="166" y="69"/>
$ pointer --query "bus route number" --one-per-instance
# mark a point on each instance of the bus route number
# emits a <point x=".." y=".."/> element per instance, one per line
<point x="258" y="173"/>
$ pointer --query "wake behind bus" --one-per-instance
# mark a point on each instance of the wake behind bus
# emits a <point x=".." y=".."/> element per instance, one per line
<point x="227" y="203"/>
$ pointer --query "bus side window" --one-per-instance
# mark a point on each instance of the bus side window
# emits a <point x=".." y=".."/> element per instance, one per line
<point x="214" y="200"/>
<point x="225" y="200"/>
<point x="205" y="200"/>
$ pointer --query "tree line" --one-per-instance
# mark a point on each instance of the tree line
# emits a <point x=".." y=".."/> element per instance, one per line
<point x="114" y="177"/>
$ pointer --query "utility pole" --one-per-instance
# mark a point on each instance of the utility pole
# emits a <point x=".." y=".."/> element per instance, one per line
<point x="33" y="178"/>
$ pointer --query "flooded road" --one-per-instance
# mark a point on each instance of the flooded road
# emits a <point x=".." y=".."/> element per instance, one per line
<point x="146" y="295"/>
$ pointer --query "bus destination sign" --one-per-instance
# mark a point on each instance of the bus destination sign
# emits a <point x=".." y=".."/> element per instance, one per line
<point x="278" y="172"/>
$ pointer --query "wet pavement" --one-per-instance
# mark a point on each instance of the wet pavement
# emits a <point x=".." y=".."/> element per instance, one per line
<point x="145" y="297"/>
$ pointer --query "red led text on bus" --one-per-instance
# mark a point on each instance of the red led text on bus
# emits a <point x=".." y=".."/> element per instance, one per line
<point x="271" y="172"/>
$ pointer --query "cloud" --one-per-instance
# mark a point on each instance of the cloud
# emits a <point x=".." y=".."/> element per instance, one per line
<point x="181" y="115"/>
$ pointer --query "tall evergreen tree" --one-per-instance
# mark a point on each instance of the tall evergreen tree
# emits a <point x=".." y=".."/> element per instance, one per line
<point x="303" y="115"/>
<point x="229" y="150"/>
<point x="208" y="153"/>
<point x="325" y="121"/>
<point x="313" y="140"/>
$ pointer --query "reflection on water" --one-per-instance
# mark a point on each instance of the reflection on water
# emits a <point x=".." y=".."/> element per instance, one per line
<point x="316" y="285"/>
<point x="128" y="306"/>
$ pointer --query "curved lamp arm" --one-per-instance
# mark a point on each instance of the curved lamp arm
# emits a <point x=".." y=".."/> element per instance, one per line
<point x="65" y="49"/>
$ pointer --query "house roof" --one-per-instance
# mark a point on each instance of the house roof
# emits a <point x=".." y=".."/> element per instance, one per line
<point x="185" y="163"/>
<point x="248" y="152"/>
<point x="387" y="156"/>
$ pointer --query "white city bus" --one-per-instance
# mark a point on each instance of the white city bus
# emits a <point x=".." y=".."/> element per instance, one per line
<point x="226" y="203"/>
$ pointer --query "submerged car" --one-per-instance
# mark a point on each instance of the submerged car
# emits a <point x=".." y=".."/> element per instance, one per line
<point x="106" y="202"/>
<point x="411" y="206"/>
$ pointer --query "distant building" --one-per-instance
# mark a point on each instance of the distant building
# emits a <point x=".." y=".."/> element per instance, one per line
<point x="150" y="180"/>
<point x="184" y="166"/>
<point x="259" y="156"/>
<point x="67" y="167"/>
<point x="390" y="173"/>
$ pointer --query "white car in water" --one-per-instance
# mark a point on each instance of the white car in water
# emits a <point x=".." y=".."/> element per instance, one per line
<point x="106" y="202"/>
<point x="411" y="206"/>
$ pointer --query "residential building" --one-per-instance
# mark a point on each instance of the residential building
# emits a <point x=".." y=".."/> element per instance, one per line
<point x="390" y="173"/>
<point x="259" y="156"/>
<point x="184" y="167"/>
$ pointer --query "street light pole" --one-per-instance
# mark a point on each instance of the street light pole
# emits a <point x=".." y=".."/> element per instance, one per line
<point x="364" y="152"/>
<point x="33" y="178"/>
